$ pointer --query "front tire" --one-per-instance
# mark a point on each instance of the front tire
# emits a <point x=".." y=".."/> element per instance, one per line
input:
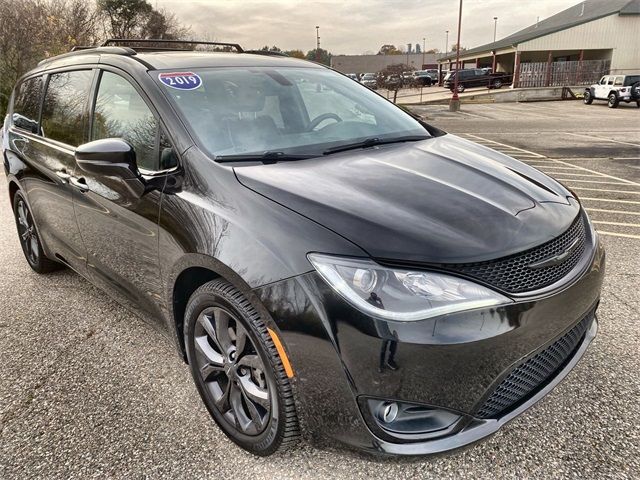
<point x="613" y="100"/>
<point x="238" y="371"/>
<point x="29" y="239"/>
<point x="497" y="84"/>
<point x="588" y="98"/>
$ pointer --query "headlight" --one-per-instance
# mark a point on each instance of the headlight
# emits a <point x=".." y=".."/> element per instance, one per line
<point x="402" y="295"/>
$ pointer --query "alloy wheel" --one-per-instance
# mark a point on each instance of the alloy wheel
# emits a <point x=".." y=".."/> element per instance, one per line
<point x="27" y="232"/>
<point x="232" y="370"/>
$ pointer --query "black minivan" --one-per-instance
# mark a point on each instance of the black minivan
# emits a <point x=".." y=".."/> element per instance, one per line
<point x="328" y="265"/>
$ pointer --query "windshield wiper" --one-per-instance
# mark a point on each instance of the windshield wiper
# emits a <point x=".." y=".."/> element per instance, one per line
<point x="266" y="157"/>
<point x="372" y="142"/>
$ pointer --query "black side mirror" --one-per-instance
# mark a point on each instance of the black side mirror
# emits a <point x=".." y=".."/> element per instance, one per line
<point x="25" y="123"/>
<point x="111" y="157"/>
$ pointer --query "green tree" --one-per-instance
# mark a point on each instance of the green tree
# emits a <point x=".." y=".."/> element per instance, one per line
<point x="319" y="55"/>
<point x="125" y="16"/>
<point x="389" y="50"/>
<point x="267" y="48"/>
<point x="296" y="54"/>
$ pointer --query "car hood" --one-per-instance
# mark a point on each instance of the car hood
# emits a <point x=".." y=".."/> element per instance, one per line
<point x="440" y="200"/>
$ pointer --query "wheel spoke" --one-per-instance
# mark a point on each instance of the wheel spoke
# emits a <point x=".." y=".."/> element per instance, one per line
<point x="222" y="402"/>
<point x="207" y="323"/>
<point x="241" y="339"/>
<point x="213" y="357"/>
<point x="257" y="418"/>
<point x="251" y="361"/>
<point x="253" y="392"/>
<point x="22" y="215"/>
<point x="34" y="247"/>
<point x="209" y="369"/>
<point x="235" y="399"/>
<point x="222" y="329"/>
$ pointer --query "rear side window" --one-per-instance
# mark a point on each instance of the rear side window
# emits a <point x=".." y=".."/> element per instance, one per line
<point x="64" y="112"/>
<point x="121" y="112"/>
<point x="26" y="106"/>
<point x="618" y="81"/>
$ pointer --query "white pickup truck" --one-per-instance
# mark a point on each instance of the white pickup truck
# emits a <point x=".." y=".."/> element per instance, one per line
<point x="615" y="89"/>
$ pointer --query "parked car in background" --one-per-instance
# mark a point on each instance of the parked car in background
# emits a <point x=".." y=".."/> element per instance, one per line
<point x="352" y="76"/>
<point x="422" y="78"/>
<point x="407" y="78"/>
<point x="393" y="81"/>
<point x="369" y="80"/>
<point x="615" y="89"/>
<point x="433" y="73"/>
<point x="476" y="77"/>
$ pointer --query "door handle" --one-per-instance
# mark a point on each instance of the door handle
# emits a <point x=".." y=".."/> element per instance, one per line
<point x="63" y="175"/>
<point x="79" y="183"/>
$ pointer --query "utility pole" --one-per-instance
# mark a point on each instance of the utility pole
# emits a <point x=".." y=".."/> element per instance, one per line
<point x="495" y="30"/>
<point x="424" y="46"/>
<point x="454" y="104"/>
<point x="317" y="43"/>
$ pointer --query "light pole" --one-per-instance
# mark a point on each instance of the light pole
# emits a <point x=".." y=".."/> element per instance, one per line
<point x="317" y="43"/>
<point x="495" y="29"/>
<point x="424" y="46"/>
<point x="454" y="104"/>
<point x="446" y="43"/>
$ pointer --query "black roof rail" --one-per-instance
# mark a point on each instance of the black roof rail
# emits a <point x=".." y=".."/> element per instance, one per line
<point x="153" y="44"/>
<point x="86" y="50"/>
<point x="269" y="53"/>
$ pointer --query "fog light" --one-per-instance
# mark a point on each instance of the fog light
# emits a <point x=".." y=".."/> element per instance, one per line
<point x="409" y="421"/>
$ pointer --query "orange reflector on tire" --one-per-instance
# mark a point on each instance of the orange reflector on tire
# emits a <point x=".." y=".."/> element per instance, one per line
<point x="283" y="355"/>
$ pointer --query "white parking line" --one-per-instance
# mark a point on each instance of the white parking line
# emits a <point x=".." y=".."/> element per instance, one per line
<point x="614" y="234"/>
<point x="560" y="168"/>
<point x="610" y="200"/>
<point x="602" y="138"/>
<point x="621" y="224"/>
<point x="534" y="154"/>
<point x="604" y="190"/>
<point x="589" y="181"/>
<point x="598" y="173"/>
<point x="578" y="174"/>
<point x="604" y="210"/>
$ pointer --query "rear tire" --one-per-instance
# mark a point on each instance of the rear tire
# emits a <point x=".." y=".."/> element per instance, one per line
<point x="588" y="98"/>
<point x="497" y="84"/>
<point x="613" y="100"/>
<point x="29" y="238"/>
<point x="461" y="88"/>
<point x="238" y="371"/>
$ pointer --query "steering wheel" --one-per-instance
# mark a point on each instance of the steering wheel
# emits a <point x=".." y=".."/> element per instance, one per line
<point x="321" y="118"/>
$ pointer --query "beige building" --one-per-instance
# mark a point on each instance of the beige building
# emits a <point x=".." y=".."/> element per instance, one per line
<point x="595" y="37"/>
<point x="376" y="63"/>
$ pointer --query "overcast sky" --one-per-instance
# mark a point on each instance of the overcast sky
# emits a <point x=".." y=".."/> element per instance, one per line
<point x="356" y="26"/>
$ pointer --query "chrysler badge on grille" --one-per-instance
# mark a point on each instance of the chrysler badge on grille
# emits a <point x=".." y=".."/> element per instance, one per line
<point x="558" y="259"/>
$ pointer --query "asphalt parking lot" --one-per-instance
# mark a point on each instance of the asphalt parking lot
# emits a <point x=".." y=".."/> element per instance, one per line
<point x="87" y="390"/>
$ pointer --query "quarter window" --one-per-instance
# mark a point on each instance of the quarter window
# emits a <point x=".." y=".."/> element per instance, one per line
<point x="63" y="113"/>
<point x="26" y="106"/>
<point x="121" y="112"/>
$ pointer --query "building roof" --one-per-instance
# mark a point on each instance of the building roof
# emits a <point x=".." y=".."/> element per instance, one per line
<point x="583" y="12"/>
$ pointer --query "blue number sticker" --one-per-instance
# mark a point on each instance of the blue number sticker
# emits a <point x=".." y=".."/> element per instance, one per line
<point x="181" y="80"/>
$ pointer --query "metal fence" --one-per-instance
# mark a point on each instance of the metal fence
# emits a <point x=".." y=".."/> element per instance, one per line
<point x="560" y="74"/>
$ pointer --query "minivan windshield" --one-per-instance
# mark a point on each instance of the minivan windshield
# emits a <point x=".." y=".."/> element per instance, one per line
<point x="283" y="111"/>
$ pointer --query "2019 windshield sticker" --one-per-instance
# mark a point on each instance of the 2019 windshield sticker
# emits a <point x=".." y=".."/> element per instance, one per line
<point x="181" y="80"/>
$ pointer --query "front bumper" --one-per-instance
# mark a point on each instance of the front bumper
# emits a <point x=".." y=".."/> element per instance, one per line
<point x="452" y="362"/>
